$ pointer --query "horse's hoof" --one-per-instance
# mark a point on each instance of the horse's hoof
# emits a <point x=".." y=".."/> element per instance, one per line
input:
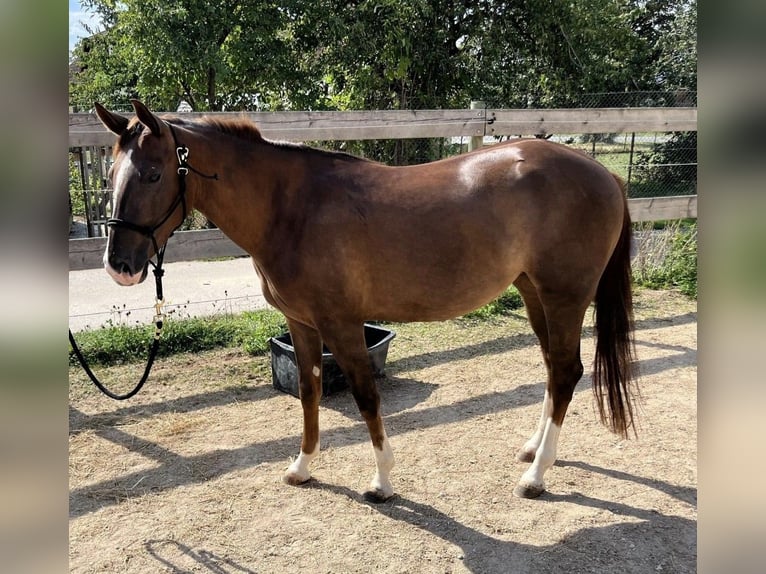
<point x="376" y="496"/>
<point x="294" y="479"/>
<point x="528" y="490"/>
<point x="525" y="456"/>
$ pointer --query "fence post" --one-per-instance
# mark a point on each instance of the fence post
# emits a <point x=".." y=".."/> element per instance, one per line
<point x="630" y="160"/>
<point x="476" y="141"/>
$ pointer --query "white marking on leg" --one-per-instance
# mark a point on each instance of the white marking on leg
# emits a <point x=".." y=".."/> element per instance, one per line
<point x="544" y="457"/>
<point x="530" y="447"/>
<point x="384" y="462"/>
<point x="315" y="371"/>
<point x="299" y="471"/>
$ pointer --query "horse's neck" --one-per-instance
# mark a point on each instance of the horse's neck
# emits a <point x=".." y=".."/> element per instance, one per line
<point x="240" y="201"/>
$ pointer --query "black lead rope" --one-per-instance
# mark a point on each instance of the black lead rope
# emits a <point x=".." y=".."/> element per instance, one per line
<point x="159" y="321"/>
<point x="182" y="153"/>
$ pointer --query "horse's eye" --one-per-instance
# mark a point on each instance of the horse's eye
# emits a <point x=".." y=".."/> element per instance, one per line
<point x="154" y="178"/>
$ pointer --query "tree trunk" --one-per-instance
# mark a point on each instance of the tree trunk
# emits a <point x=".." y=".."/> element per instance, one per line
<point x="211" y="99"/>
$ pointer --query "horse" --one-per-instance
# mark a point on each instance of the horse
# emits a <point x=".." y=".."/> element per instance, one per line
<point x="338" y="240"/>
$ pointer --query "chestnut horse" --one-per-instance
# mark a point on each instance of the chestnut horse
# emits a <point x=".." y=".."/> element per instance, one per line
<point x="338" y="240"/>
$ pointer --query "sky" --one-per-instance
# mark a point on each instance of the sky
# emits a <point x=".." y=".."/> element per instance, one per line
<point x="78" y="17"/>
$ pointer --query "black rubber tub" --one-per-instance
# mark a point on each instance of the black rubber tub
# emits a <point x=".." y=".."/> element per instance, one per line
<point x="284" y="368"/>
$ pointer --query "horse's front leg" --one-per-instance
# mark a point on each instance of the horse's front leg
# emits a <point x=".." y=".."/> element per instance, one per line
<point x="347" y="343"/>
<point x="308" y="353"/>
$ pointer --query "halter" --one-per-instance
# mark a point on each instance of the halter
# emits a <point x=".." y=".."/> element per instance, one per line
<point x="182" y="153"/>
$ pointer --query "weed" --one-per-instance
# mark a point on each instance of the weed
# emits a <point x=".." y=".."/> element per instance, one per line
<point x="667" y="257"/>
<point x="508" y="301"/>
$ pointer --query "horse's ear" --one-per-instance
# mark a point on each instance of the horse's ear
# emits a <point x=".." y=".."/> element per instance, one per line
<point x="115" y="123"/>
<point x="146" y="117"/>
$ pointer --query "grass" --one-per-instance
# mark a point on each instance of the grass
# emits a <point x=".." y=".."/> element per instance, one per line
<point x="509" y="301"/>
<point x="125" y="344"/>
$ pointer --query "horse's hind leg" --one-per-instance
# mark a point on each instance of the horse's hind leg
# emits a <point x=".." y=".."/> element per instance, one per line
<point x="346" y="342"/>
<point x="308" y="353"/>
<point x="536" y="316"/>
<point x="564" y="323"/>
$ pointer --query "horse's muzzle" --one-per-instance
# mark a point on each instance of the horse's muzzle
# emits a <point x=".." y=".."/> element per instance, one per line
<point x="122" y="273"/>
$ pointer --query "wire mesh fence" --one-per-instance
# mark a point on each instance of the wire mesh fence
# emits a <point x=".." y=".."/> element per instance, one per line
<point x="682" y="97"/>
<point x="653" y="164"/>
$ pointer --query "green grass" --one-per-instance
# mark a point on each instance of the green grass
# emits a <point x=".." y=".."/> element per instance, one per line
<point x="509" y="301"/>
<point x="124" y="344"/>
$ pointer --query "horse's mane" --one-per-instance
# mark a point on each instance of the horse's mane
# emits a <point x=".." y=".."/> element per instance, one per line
<point x="240" y="128"/>
<point x="246" y="130"/>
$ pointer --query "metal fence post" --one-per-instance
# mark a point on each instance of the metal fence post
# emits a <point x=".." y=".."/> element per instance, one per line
<point x="630" y="159"/>
<point x="477" y="141"/>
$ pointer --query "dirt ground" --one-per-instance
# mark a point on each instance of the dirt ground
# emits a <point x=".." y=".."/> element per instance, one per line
<point x="186" y="477"/>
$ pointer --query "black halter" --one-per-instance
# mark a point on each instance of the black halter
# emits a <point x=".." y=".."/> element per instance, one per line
<point x="182" y="153"/>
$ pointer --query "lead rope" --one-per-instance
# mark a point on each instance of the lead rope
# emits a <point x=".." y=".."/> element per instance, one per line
<point x="182" y="153"/>
<point x="159" y="321"/>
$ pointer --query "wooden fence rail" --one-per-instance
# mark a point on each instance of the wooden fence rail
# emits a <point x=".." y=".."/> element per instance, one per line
<point x="86" y="130"/>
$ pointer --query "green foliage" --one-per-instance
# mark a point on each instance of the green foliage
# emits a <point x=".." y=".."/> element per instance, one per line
<point x="509" y="300"/>
<point x="213" y="55"/>
<point x="673" y="162"/>
<point x="260" y="328"/>
<point x="380" y="54"/>
<point x="676" y="268"/>
<point x="76" y="193"/>
<point x="662" y="48"/>
<point x="251" y="331"/>
<point x="125" y="344"/>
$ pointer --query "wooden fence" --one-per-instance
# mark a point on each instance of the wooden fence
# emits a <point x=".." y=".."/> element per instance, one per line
<point x="85" y="130"/>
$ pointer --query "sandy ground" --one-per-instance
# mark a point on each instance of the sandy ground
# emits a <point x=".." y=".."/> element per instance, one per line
<point x="186" y="477"/>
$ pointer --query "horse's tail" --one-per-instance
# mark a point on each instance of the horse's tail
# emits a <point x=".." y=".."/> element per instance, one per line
<point x="614" y="365"/>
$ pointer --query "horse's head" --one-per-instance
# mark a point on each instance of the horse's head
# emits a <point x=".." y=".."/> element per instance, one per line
<point x="149" y="202"/>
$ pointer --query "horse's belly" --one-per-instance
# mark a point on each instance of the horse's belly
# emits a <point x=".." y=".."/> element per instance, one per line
<point x="433" y="298"/>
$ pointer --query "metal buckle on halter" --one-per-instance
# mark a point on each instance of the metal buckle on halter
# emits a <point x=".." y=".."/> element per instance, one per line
<point x="182" y="153"/>
<point x="159" y="317"/>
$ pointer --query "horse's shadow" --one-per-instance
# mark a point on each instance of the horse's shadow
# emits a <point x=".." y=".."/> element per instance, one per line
<point x="623" y="547"/>
<point x="397" y="395"/>
<point x="399" y="392"/>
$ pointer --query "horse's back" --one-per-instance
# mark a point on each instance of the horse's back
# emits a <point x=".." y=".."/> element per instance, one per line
<point x="527" y="195"/>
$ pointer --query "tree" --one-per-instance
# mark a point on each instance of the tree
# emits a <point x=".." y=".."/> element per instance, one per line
<point x="214" y="56"/>
<point x="564" y="50"/>
<point x="386" y="54"/>
<point x="677" y="58"/>
<point x="665" y="55"/>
